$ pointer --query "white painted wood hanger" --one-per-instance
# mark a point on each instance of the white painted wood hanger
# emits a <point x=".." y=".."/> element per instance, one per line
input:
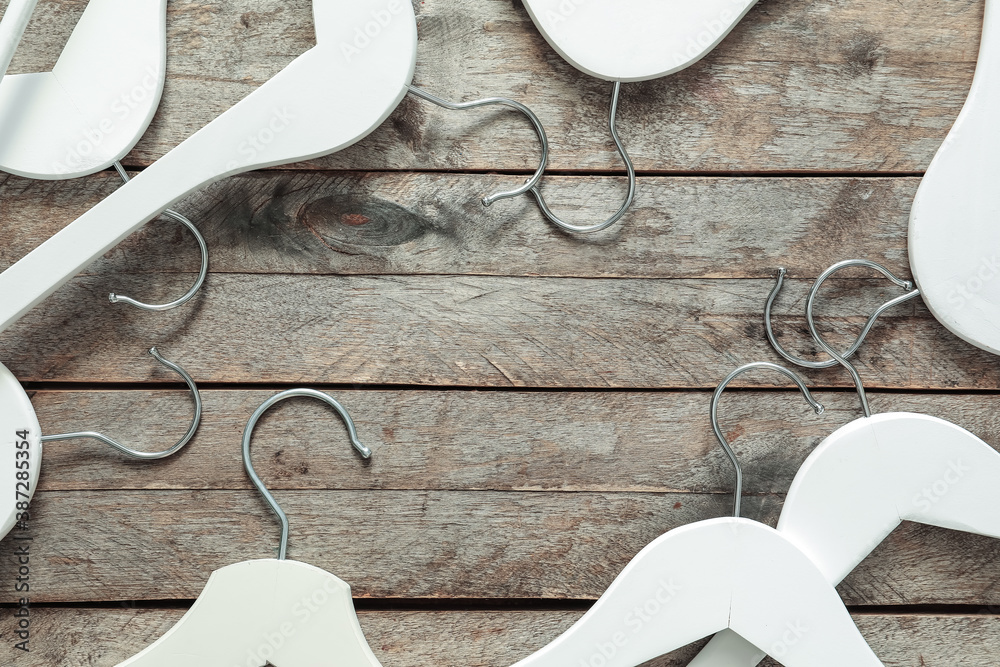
<point x="21" y="443"/>
<point x="274" y="611"/>
<point x="630" y="40"/>
<point x="868" y="477"/>
<point x="954" y="235"/>
<point x="635" y="40"/>
<point x="98" y="100"/>
<point x="329" y="98"/>
<point x="718" y="574"/>
<point x="862" y="482"/>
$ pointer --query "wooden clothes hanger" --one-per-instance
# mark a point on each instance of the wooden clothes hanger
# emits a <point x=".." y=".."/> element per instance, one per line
<point x="718" y="574"/>
<point x="93" y="107"/>
<point x="635" y="40"/>
<point x="953" y="234"/>
<point x="21" y="446"/>
<point x="275" y="611"/>
<point x="953" y="230"/>
<point x="327" y="99"/>
<point x="868" y="477"/>
<point x="95" y="104"/>
<point x="630" y="40"/>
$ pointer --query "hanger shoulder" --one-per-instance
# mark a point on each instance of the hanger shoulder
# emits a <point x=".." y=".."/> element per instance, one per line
<point x="784" y="605"/>
<point x="674" y="592"/>
<point x="283" y="612"/>
<point x="953" y="235"/>
<point x="944" y="475"/>
<point x="704" y="578"/>
<point x="325" y="100"/>
<point x="20" y="450"/>
<point x="94" y="105"/>
<point x="840" y="504"/>
<point x="635" y="40"/>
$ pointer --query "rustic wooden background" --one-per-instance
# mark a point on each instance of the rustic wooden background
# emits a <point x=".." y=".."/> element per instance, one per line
<point x="536" y="403"/>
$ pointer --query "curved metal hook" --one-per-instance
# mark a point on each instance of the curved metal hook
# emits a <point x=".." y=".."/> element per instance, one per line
<point x="810" y="319"/>
<point x="202" y="246"/>
<point x="850" y="352"/>
<point x="539" y="130"/>
<point x="800" y="383"/>
<point x="248" y="434"/>
<point x="589" y="229"/>
<point x="147" y="456"/>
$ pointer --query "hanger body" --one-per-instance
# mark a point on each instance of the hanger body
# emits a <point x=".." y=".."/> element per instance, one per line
<point x="635" y="40"/>
<point x="954" y="235"/>
<point x="19" y="442"/>
<point x="97" y="101"/>
<point x="705" y="577"/>
<point x="862" y="482"/>
<point x="278" y="612"/>
<point x="325" y="100"/>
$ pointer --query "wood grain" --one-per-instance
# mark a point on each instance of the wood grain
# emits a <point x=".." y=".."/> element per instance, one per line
<point x="823" y="86"/>
<point x="469" y="331"/>
<point x="432" y="224"/>
<point x="536" y="402"/>
<point x="105" y="637"/>
<point x="608" y="442"/>
<point x="140" y="545"/>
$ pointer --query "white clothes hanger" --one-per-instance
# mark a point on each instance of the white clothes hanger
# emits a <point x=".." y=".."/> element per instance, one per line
<point x="630" y="40"/>
<point x="635" y="40"/>
<point x="21" y="445"/>
<point x="953" y="233"/>
<point x="276" y="611"/>
<point x="711" y="575"/>
<point x="868" y="477"/>
<point x="325" y="100"/>
<point x="92" y="108"/>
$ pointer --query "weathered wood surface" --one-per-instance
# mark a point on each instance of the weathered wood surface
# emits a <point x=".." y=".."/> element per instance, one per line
<point x="821" y="86"/>
<point x="409" y="224"/>
<point x="378" y="267"/>
<point x="468" y="331"/>
<point x="657" y="442"/>
<point x="105" y="637"/>
<point x="131" y="545"/>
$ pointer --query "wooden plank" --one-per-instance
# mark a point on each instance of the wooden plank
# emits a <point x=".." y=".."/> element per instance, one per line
<point x="468" y="331"/>
<point x="390" y="223"/>
<point x="104" y="637"/>
<point x="466" y="441"/>
<point x="825" y="86"/>
<point x="162" y="545"/>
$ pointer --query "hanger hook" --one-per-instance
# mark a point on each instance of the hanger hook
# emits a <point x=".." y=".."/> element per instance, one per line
<point x="248" y="434"/>
<point x="601" y="226"/>
<point x="202" y="246"/>
<point x="842" y="360"/>
<point x="133" y="453"/>
<point x="503" y="101"/>
<point x="911" y="293"/>
<point x="791" y="375"/>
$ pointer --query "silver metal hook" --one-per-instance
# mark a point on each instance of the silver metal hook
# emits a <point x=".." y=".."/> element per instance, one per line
<point x="852" y="350"/>
<point x="147" y="456"/>
<point x="202" y="246"/>
<point x="842" y="360"/>
<point x="539" y="130"/>
<point x="589" y="229"/>
<point x="248" y="434"/>
<point x="794" y="377"/>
